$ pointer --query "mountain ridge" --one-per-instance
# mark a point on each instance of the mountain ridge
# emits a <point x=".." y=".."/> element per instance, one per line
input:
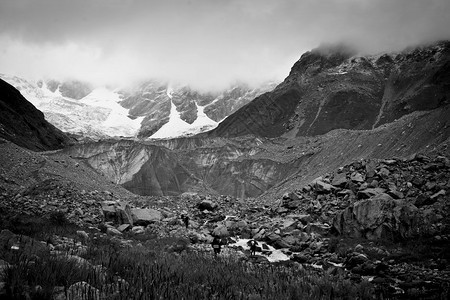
<point x="25" y="125"/>
<point x="364" y="92"/>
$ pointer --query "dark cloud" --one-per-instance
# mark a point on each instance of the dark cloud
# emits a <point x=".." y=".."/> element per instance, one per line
<point x="202" y="42"/>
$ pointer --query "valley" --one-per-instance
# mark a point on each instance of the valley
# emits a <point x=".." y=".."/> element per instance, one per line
<point x="341" y="173"/>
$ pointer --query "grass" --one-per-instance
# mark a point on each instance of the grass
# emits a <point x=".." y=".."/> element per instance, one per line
<point x="155" y="270"/>
<point x="159" y="268"/>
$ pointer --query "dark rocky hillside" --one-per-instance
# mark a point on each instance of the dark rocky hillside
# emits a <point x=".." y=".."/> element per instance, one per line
<point x="23" y="124"/>
<point x="331" y="88"/>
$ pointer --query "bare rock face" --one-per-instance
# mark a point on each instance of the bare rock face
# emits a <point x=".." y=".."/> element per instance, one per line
<point x="153" y="101"/>
<point x="379" y="217"/>
<point x="145" y="216"/>
<point x="331" y="88"/>
<point x="74" y="89"/>
<point x="24" y="125"/>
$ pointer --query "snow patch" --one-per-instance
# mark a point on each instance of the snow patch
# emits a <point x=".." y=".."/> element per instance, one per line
<point x="176" y="127"/>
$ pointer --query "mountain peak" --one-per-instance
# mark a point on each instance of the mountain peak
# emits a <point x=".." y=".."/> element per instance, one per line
<point x="323" y="57"/>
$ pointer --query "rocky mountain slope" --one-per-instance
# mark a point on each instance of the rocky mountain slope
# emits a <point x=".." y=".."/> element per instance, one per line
<point x="153" y="100"/>
<point x="380" y="222"/>
<point x="249" y="166"/>
<point x="89" y="112"/>
<point x="366" y="206"/>
<point x="23" y="124"/>
<point x="332" y="88"/>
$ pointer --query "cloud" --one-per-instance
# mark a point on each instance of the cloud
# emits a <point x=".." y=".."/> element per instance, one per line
<point x="206" y="43"/>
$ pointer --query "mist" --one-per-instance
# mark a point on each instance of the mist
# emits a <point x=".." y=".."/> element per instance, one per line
<point x="207" y="44"/>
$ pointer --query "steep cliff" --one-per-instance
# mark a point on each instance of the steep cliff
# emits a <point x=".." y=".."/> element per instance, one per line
<point x="331" y="88"/>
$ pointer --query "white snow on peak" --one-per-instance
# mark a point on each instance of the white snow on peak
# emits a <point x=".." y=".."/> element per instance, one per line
<point x="97" y="115"/>
<point x="176" y="127"/>
<point x="117" y="122"/>
<point x="169" y="92"/>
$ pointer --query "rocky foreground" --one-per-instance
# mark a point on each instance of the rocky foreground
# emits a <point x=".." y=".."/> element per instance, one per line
<point x="381" y="221"/>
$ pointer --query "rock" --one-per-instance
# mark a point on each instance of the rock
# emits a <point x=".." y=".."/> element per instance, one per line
<point x="322" y="187"/>
<point x="359" y="248"/>
<point x="440" y="193"/>
<point x="258" y="259"/>
<point x="272" y="238"/>
<point x="83" y="235"/>
<point x="291" y="196"/>
<point x="145" y="216"/>
<point x="207" y="205"/>
<point x="384" y="172"/>
<point x="259" y="234"/>
<point x="292" y="204"/>
<point x="355" y="259"/>
<point x="305" y="219"/>
<point x="370" y="192"/>
<point x="138" y="229"/>
<point x="220" y="231"/>
<point x="339" y="180"/>
<point x="418" y="181"/>
<point x="318" y="228"/>
<point x="357" y="177"/>
<point x="370" y="169"/>
<point x="300" y="258"/>
<point x="113" y="231"/>
<point x="378" y="217"/>
<point x="396" y="194"/>
<point x="123" y="227"/>
<point x="423" y="199"/>
<point x="117" y="212"/>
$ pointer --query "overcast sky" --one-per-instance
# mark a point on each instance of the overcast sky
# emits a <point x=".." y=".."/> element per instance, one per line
<point x="206" y="43"/>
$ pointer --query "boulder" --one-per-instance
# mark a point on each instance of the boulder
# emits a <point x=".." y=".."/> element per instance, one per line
<point x="322" y="187"/>
<point x="340" y="180"/>
<point x="380" y="217"/>
<point x="117" y="212"/>
<point x="318" y="228"/>
<point x="207" y="205"/>
<point x="272" y="237"/>
<point x="357" y="177"/>
<point x="370" y="192"/>
<point x="291" y="204"/>
<point x="123" y="227"/>
<point x="145" y="216"/>
<point x="291" y="196"/>
<point x="220" y="231"/>
<point x="138" y="229"/>
<point x="300" y="258"/>
<point x="83" y="235"/>
<point x="113" y="231"/>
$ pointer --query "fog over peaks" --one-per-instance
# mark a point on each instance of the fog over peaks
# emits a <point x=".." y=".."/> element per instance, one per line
<point x="207" y="44"/>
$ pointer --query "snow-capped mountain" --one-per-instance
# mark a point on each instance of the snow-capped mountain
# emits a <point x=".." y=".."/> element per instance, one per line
<point x="171" y="111"/>
<point x="96" y="115"/>
<point x="150" y="110"/>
